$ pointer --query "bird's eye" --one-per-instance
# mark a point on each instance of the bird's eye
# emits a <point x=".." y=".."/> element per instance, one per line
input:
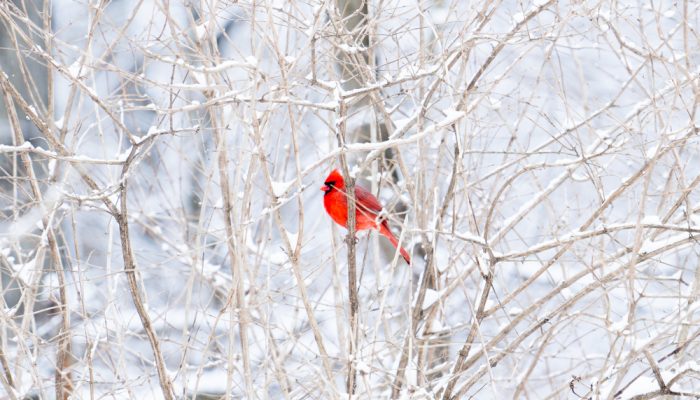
<point x="329" y="183"/>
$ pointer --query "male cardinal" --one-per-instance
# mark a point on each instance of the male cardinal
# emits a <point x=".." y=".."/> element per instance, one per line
<point x="367" y="209"/>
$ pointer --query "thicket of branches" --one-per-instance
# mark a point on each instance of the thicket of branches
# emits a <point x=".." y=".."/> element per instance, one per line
<point x="162" y="233"/>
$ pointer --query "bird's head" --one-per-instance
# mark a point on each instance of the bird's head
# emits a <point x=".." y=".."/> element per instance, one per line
<point x="334" y="180"/>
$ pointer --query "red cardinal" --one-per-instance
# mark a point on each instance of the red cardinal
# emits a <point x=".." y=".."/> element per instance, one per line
<point x="367" y="209"/>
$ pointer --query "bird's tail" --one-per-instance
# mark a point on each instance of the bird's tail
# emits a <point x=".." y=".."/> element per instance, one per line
<point x="384" y="230"/>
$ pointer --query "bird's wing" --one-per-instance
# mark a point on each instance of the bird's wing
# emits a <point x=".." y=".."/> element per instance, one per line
<point x="366" y="200"/>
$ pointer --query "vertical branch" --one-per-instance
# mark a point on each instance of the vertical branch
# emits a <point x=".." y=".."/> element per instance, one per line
<point x="130" y="270"/>
<point x="341" y="132"/>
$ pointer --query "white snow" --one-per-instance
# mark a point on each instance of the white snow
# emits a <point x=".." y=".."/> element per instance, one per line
<point x="279" y="189"/>
<point x="252" y="61"/>
<point x="293" y="237"/>
<point x="431" y="296"/>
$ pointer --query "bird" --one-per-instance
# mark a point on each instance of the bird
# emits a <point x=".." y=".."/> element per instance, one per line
<point x="367" y="209"/>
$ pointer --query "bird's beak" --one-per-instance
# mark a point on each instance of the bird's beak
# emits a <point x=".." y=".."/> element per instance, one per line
<point x="325" y="188"/>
